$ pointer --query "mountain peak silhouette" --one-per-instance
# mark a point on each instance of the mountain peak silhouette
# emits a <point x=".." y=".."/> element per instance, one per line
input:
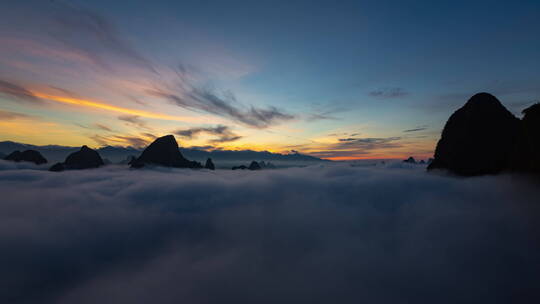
<point x="209" y="164"/>
<point x="27" y="156"/>
<point x="477" y="139"/>
<point x="85" y="158"/>
<point x="164" y="152"/>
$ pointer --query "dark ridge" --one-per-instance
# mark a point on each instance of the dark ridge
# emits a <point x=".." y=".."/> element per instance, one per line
<point x="164" y="152"/>
<point x="27" y="156"/>
<point x="477" y="139"/>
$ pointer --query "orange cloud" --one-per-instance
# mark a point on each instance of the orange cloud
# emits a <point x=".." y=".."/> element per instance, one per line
<point x="108" y="107"/>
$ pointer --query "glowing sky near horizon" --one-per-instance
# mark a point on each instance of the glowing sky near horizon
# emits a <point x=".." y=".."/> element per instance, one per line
<point x="346" y="80"/>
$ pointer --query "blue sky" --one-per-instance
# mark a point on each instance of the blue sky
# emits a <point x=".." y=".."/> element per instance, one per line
<point x="336" y="79"/>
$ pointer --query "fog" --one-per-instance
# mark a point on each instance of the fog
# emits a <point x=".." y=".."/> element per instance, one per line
<point x="331" y="233"/>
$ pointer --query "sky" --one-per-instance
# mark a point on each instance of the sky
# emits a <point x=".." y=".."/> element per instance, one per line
<point x="333" y="79"/>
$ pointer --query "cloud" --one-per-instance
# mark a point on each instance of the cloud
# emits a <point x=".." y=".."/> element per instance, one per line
<point x="134" y="141"/>
<point x="14" y="90"/>
<point x="417" y="129"/>
<point x="388" y="93"/>
<point x="320" y="116"/>
<point x="93" y="35"/>
<point x="206" y="100"/>
<point x="351" y="146"/>
<point x="369" y="143"/>
<point x="224" y="133"/>
<point x="133" y="120"/>
<point x="324" y="112"/>
<point x="124" y="140"/>
<point x="103" y="127"/>
<point x="321" y="234"/>
<point x="8" y="115"/>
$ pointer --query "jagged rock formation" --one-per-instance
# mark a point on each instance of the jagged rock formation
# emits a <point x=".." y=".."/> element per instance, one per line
<point x="410" y="160"/>
<point x="85" y="158"/>
<point x="477" y="139"/>
<point x="164" y="152"/>
<point x="254" y="166"/>
<point x="27" y="156"/>
<point x="526" y="154"/>
<point x="209" y="164"/>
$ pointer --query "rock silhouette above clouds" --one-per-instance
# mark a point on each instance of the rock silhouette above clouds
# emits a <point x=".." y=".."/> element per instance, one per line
<point x="164" y="152"/>
<point x="209" y="164"/>
<point x="85" y="158"/>
<point x="27" y="156"/>
<point x="477" y="139"/>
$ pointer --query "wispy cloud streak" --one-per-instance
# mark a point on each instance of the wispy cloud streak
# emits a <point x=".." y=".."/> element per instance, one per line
<point x="224" y="133"/>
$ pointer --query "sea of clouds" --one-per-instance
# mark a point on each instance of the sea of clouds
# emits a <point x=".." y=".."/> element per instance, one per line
<point x="331" y="233"/>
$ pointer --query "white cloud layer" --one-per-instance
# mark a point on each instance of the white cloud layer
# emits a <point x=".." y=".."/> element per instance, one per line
<point x="321" y="234"/>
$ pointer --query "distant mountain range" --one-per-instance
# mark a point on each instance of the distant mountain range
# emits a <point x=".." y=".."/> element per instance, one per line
<point x="56" y="153"/>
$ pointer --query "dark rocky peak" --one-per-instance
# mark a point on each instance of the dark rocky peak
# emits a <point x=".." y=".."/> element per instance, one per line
<point x="477" y="139"/>
<point x="482" y="101"/>
<point x="209" y="164"/>
<point x="164" y="152"/>
<point x="85" y="158"/>
<point x="254" y="166"/>
<point x="27" y="156"/>
<point x="410" y="160"/>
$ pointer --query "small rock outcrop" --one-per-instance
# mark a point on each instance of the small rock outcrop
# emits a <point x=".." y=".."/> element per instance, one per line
<point x="254" y="166"/>
<point x="209" y="164"/>
<point x="410" y="160"/>
<point x="27" y="156"/>
<point x="477" y="139"/>
<point x="164" y="152"/>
